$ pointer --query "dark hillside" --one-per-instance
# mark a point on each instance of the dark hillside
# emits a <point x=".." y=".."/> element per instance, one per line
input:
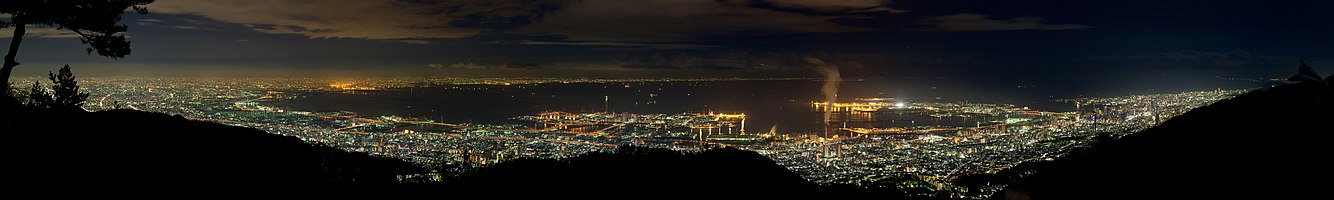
<point x="1267" y="144"/>
<point x="643" y="169"/>
<point x="122" y="146"/>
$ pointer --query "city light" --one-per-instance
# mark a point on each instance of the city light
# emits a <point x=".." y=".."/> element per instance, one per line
<point x="994" y="136"/>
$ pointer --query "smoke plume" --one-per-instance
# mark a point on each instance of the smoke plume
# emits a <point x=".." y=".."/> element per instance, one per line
<point x="831" y="79"/>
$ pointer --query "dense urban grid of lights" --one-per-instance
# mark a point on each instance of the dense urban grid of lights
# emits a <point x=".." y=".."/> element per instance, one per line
<point x="979" y="138"/>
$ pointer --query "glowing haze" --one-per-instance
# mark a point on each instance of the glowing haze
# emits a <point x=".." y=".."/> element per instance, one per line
<point x="830" y="86"/>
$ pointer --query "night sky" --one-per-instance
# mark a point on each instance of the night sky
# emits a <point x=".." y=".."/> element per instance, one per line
<point x="706" y="38"/>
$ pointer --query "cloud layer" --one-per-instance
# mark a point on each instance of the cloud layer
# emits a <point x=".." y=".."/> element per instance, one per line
<point x="43" y="32"/>
<point x="678" y="20"/>
<point x="366" y="19"/>
<point x="979" y="22"/>
<point x="1210" y="59"/>
<point x="576" y="20"/>
<point x="662" y="24"/>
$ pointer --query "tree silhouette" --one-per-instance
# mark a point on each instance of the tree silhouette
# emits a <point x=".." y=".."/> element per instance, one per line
<point x="10" y="91"/>
<point x="38" y="97"/>
<point x="66" y="91"/>
<point x="97" y="22"/>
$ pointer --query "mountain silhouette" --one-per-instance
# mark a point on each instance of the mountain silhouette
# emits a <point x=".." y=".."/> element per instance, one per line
<point x="724" y="170"/>
<point x="1265" y="144"/>
<point x="126" y="146"/>
<point x="113" y="148"/>
<point x="641" y="169"/>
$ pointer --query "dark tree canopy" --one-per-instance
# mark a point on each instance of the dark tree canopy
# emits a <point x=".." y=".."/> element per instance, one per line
<point x="65" y="90"/>
<point x="97" y="22"/>
<point x="38" y="97"/>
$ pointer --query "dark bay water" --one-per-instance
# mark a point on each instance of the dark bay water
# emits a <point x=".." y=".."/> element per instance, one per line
<point x="767" y="103"/>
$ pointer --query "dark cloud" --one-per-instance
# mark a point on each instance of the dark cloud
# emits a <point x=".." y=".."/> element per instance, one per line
<point x="576" y="20"/>
<point x="648" y="66"/>
<point x="714" y="37"/>
<point x="1200" y="59"/>
<point x="673" y="20"/>
<point x="45" y="32"/>
<point x="718" y="67"/>
<point x="472" y="65"/>
<point x="146" y="22"/>
<point x="979" y="22"/>
<point x="618" y="44"/>
<point x="652" y="24"/>
<point x="416" y="41"/>
<point x="368" y="19"/>
<point x="825" y="7"/>
<point x="468" y="65"/>
<point x="703" y="67"/>
<point x="866" y="64"/>
<point x="521" y="66"/>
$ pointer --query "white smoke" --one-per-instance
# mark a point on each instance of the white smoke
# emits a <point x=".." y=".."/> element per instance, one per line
<point x="831" y="80"/>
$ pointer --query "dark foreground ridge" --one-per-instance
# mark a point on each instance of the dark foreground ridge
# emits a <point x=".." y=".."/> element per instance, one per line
<point x="641" y="169"/>
<point x="122" y="147"/>
<point x="135" y="147"/>
<point x="637" y="169"/>
<point x="1266" y="144"/>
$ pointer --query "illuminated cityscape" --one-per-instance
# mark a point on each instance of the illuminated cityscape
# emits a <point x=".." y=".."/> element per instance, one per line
<point x="1016" y="100"/>
<point x="930" y="141"/>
